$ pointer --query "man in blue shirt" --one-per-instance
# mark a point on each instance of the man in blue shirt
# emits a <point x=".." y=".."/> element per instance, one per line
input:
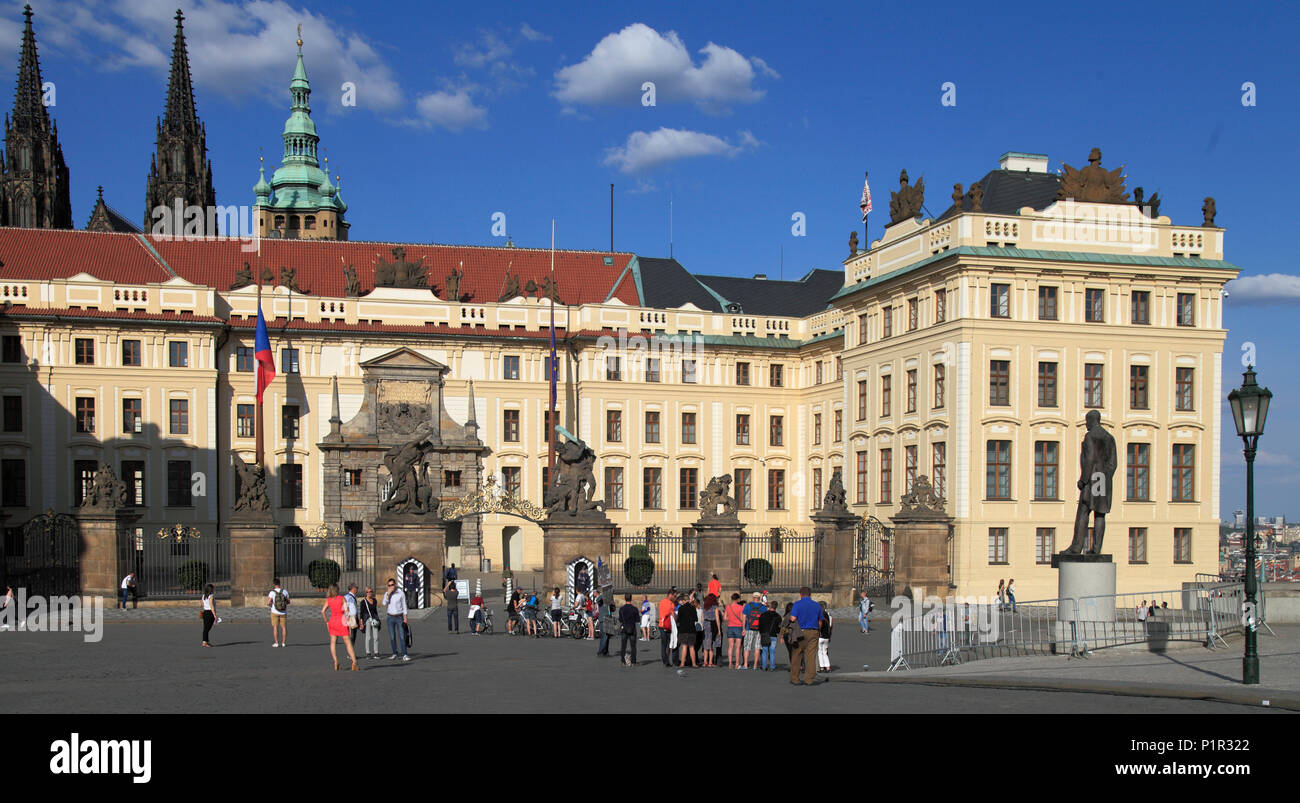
<point x="805" y="618"/>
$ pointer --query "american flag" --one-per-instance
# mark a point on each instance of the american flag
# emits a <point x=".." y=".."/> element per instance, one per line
<point x="866" y="199"/>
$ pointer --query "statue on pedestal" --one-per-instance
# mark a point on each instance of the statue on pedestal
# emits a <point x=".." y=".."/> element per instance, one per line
<point x="1097" y="462"/>
<point x="250" y="486"/>
<point x="717" y="492"/>
<point x="106" y="491"/>
<point x="574" y="484"/>
<point x="835" y="503"/>
<point x="404" y="464"/>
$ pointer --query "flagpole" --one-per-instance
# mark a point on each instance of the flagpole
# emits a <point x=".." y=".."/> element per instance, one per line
<point x="550" y="431"/>
<point x="257" y="411"/>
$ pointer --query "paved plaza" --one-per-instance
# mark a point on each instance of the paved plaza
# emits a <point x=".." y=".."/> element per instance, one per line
<point x="150" y="661"/>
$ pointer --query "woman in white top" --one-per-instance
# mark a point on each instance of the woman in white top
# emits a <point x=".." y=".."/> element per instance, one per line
<point x="557" y="612"/>
<point x="208" y="613"/>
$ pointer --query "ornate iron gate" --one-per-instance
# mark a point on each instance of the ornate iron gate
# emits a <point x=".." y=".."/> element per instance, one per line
<point x="652" y="561"/>
<point x="873" y="565"/>
<point x="47" y="559"/>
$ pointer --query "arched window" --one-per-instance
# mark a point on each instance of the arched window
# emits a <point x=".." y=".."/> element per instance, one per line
<point x="24" y="156"/>
<point x="309" y="222"/>
<point x="178" y="160"/>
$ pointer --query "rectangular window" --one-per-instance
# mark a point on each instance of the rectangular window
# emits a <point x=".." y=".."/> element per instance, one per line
<point x="742" y="373"/>
<point x="132" y="415"/>
<point x="353" y="477"/>
<point x="547" y="366"/>
<point x="817" y="373"/>
<point x="742" y="429"/>
<point x="776" y="431"/>
<point x="1183" y="389"/>
<point x="178" y="483"/>
<point x="1182" y="545"/>
<point x="1094" y="305"/>
<point x="652" y="491"/>
<point x="613" y="368"/>
<point x="913" y="314"/>
<point x="1138" y="472"/>
<point x="940" y="305"/>
<point x="1186" y="309"/>
<point x="997" y="478"/>
<point x="909" y="468"/>
<point x="886" y="394"/>
<point x="688" y="484"/>
<point x="839" y="425"/>
<point x="776" y="489"/>
<point x="860" y="487"/>
<point x="13" y="414"/>
<point x="911" y="391"/>
<point x="1000" y="301"/>
<point x="817" y="429"/>
<point x="614" y="487"/>
<point x="289" y="421"/>
<point x="1047" y="304"/>
<point x="688" y="427"/>
<point x="862" y="328"/>
<point x="290" y="485"/>
<point x="1046" y="469"/>
<point x="1047" y="384"/>
<point x="997" y="546"/>
<point x="887" y="321"/>
<point x="11" y="348"/>
<point x="13" y="482"/>
<point x="817" y="488"/>
<point x="510" y="366"/>
<point x="131" y="352"/>
<point x="1141" y="300"/>
<point x="940" y="374"/>
<point x="511" y="480"/>
<point x="1000" y="383"/>
<point x="1137" y="544"/>
<point x="614" y="426"/>
<point x="1184" y="469"/>
<point x="550" y="419"/>
<point x="85" y="414"/>
<point x="179" y="416"/>
<point x="244" y="359"/>
<point x="839" y="369"/>
<point x="1044" y="545"/>
<point x="84" y="351"/>
<point x="688" y="372"/>
<point x="939" y="461"/>
<point x="1137" y="387"/>
<point x="776" y="375"/>
<point x="178" y="354"/>
<point x="652" y="369"/>
<point x="862" y="399"/>
<point x="244" y="421"/>
<point x="886" y="476"/>
<point x="652" y="426"/>
<point x="133" y="477"/>
<point x="1092" y="396"/>
<point x="83" y="478"/>
<point x="510" y="426"/>
<point x="289" y="361"/>
<point x="744" y="488"/>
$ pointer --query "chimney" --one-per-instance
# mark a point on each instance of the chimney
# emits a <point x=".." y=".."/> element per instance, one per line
<point x="1023" y="162"/>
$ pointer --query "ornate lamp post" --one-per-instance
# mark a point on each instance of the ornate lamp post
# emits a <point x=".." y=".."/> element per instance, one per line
<point x="1249" y="410"/>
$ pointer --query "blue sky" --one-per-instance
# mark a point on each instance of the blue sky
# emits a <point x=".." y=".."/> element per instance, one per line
<point x="762" y="111"/>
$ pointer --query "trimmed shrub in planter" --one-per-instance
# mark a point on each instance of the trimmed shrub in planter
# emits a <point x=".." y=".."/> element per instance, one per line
<point x="192" y="575"/>
<point x="323" y="573"/>
<point x="758" y="571"/>
<point x="639" y="568"/>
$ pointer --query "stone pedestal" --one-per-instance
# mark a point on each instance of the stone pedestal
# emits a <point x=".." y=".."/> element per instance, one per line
<point x="921" y="544"/>
<point x="252" y="560"/>
<point x="717" y="551"/>
<point x="835" y="545"/>
<point x="1085" y="588"/>
<point x="102" y="552"/>
<point x="399" y="538"/>
<point x="564" y="540"/>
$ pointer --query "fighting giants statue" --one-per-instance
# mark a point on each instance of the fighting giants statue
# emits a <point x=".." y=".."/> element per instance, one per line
<point x="412" y="488"/>
<point x="250" y="486"/>
<point x="1097" y="461"/>
<point x="717" y="492"/>
<point x="574" y="484"/>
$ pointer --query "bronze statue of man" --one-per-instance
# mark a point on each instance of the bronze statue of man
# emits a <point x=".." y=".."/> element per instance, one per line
<point x="1097" y="462"/>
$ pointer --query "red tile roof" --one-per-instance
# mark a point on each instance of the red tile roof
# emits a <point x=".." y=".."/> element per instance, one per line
<point x="21" y="310"/>
<point x="582" y="276"/>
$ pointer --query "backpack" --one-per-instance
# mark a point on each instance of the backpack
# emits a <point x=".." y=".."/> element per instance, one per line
<point x="281" y="601"/>
<point x="751" y="621"/>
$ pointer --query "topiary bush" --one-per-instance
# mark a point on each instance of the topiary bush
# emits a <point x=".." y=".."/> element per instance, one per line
<point x="639" y="567"/>
<point x="192" y="575"/>
<point x="758" y="571"/>
<point x="323" y="573"/>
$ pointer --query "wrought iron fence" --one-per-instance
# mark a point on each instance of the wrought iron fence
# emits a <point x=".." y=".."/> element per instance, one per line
<point x="652" y="561"/>
<point x="307" y="564"/>
<point x="782" y="560"/>
<point x="177" y="564"/>
<point x="873" y="568"/>
<point x="44" y="555"/>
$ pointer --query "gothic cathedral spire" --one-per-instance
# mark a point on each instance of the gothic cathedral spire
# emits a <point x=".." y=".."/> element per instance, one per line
<point x="33" y="175"/>
<point x="180" y="168"/>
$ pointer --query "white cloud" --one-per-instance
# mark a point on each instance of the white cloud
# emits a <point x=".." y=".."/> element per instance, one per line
<point x="1269" y="288"/>
<point x="453" y="110"/>
<point x="644" y="150"/>
<point x="532" y="34"/>
<point x="489" y="50"/>
<point x="616" y="68"/>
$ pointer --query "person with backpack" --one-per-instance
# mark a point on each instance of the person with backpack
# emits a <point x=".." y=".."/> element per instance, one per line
<point x="687" y="622"/>
<point x="451" y="595"/>
<point x="530" y="615"/>
<point x="769" y="632"/>
<point x="278" y="602"/>
<point x="608" y="621"/>
<point x="752" y="612"/>
<point x="355" y="604"/>
<point x="824" y="641"/>
<point x="711" y="618"/>
<point x="369" y="621"/>
<point x="628" y="617"/>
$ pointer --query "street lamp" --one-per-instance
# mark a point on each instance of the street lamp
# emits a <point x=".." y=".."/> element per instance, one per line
<point x="1249" y="410"/>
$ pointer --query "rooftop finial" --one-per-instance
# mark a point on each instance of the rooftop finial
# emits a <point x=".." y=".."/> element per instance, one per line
<point x="300" y="36"/>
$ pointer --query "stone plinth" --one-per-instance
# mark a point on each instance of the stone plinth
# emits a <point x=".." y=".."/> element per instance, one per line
<point x="835" y="545"/>
<point x="1089" y="581"/>
<point x="100" y="552"/>
<point x="921" y="552"/>
<point x="252" y="559"/>
<point x="563" y="540"/>
<point x="717" y="551"/>
<point x="398" y="538"/>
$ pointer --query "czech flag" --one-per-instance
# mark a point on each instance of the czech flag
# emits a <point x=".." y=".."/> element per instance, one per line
<point x="262" y="354"/>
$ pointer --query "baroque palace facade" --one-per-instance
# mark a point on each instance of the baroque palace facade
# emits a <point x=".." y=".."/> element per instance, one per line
<point x="967" y="348"/>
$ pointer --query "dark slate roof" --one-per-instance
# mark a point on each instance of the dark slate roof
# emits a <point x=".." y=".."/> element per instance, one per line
<point x="665" y="284"/>
<point x="1007" y="191"/>
<point x="805" y="296"/>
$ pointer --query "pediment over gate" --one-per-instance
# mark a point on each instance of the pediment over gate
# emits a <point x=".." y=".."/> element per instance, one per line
<point x="403" y="358"/>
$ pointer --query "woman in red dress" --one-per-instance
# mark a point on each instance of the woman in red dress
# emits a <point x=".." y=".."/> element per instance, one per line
<point x="335" y="612"/>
